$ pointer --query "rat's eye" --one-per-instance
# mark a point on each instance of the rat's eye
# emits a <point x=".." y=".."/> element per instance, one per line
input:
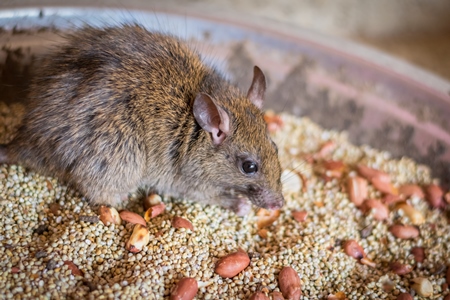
<point x="249" y="167"/>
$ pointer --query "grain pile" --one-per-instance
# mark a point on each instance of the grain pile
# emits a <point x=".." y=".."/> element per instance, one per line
<point x="54" y="246"/>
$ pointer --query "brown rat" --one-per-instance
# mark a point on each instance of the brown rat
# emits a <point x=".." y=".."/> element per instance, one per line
<point x="120" y="108"/>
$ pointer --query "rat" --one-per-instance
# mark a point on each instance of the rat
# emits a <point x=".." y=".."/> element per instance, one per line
<point x="118" y="108"/>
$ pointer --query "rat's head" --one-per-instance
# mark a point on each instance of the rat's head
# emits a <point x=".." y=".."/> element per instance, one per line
<point x="245" y="161"/>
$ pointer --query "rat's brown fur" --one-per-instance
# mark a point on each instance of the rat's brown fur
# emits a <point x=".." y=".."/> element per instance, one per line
<point x="112" y="109"/>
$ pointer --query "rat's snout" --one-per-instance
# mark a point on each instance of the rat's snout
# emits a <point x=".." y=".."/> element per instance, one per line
<point x="264" y="197"/>
<point x="274" y="202"/>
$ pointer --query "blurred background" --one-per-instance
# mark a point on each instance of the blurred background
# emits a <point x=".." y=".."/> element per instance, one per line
<point x="417" y="31"/>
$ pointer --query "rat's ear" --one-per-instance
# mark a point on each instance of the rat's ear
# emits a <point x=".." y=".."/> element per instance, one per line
<point x="257" y="88"/>
<point x="211" y="117"/>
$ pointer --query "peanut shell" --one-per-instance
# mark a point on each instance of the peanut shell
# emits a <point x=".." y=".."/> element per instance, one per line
<point x="109" y="215"/>
<point x="138" y="239"/>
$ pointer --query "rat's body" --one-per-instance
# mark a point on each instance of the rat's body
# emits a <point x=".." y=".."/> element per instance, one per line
<point x="116" y="109"/>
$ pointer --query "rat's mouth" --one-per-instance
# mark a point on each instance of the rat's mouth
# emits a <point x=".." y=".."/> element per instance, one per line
<point x="274" y="206"/>
<point x="233" y="194"/>
<point x="256" y="196"/>
<point x="239" y="203"/>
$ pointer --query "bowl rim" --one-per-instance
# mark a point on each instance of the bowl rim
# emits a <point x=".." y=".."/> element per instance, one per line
<point x="362" y="55"/>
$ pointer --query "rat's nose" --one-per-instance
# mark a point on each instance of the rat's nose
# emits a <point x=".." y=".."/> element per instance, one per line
<point x="276" y="202"/>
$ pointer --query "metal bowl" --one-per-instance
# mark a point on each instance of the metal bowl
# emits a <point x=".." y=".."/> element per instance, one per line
<point x="379" y="100"/>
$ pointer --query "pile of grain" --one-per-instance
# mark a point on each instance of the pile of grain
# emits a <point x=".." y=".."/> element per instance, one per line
<point x="45" y="228"/>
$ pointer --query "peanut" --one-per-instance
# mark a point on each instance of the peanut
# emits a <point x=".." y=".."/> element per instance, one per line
<point x="384" y="187"/>
<point x="300" y="216"/>
<point x="413" y="214"/>
<point x="258" y="296"/>
<point x="277" y="296"/>
<point x="404" y="231"/>
<point x="325" y="149"/>
<point x="151" y="200"/>
<point x="379" y="210"/>
<point x="73" y="268"/>
<point x="154" y="211"/>
<point x="371" y="173"/>
<point x="232" y="264"/>
<point x="404" y="296"/>
<point x="179" y="222"/>
<point x="353" y="249"/>
<point x="289" y="283"/>
<point x="409" y="190"/>
<point x="419" y="254"/>
<point x="132" y="217"/>
<point x="400" y="269"/>
<point x="357" y="190"/>
<point x="185" y="289"/>
<point x="435" y="196"/>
